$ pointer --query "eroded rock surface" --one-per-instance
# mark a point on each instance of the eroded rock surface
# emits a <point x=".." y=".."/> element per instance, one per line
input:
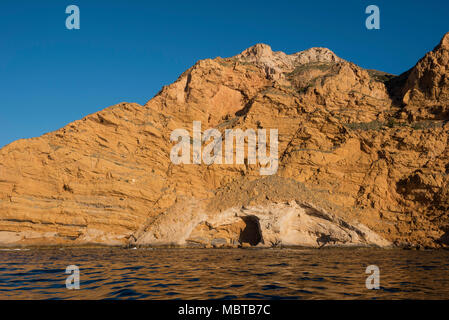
<point x="282" y="224"/>
<point x="366" y="150"/>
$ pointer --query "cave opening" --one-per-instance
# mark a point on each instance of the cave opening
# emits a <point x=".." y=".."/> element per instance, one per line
<point x="251" y="233"/>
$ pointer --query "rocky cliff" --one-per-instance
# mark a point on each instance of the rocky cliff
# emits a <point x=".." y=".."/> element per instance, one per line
<point x="363" y="160"/>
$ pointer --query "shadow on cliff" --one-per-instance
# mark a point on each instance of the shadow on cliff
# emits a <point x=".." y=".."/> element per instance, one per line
<point x="251" y="233"/>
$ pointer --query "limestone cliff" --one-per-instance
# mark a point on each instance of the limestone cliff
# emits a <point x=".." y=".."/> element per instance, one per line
<point x="363" y="160"/>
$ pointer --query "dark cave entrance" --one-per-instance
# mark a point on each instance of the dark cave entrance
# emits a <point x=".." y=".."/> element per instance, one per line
<point x="251" y="233"/>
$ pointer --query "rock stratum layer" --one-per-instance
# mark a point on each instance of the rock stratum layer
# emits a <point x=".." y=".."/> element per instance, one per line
<point x="363" y="160"/>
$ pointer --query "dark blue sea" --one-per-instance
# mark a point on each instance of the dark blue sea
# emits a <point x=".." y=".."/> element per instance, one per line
<point x="328" y="273"/>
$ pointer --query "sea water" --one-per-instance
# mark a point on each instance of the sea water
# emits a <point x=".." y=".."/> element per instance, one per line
<point x="328" y="273"/>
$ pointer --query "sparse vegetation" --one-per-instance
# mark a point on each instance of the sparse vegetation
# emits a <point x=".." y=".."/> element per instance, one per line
<point x="323" y="66"/>
<point x="380" y="76"/>
<point x="393" y="123"/>
<point x="427" y="124"/>
<point x="365" y="126"/>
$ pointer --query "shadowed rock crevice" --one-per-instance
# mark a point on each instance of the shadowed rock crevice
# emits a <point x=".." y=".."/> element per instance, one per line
<point x="251" y="233"/>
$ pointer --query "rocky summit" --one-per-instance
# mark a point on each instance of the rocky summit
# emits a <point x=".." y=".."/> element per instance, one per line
<point x="363" y="160"/>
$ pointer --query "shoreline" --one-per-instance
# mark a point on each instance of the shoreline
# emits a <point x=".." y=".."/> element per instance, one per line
<point x="181" y="247"/>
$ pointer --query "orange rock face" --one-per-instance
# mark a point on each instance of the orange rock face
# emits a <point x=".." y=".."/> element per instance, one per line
<point x="366" y="150"/>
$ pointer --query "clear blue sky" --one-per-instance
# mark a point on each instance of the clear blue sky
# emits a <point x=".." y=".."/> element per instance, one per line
<point x="127" y="50"/>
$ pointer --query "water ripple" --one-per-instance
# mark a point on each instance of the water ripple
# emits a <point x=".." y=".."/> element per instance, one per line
<point x="112" y="273"/>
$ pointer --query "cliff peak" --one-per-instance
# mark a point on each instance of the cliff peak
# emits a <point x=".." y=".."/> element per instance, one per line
<point x="278" y="62"/>
<point x="316" y="54"/>
<point x="258" y="50"/>
<point x="444" y="43"/>
<point x="427" y="82"/>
